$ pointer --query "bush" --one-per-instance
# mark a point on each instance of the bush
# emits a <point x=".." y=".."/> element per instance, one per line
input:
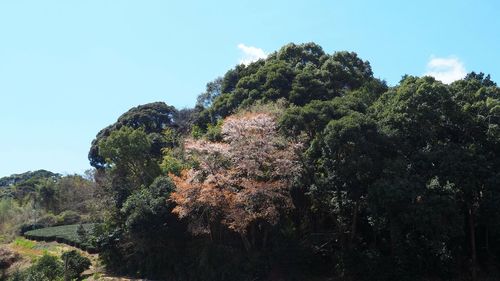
<point x="68" y="217"/>
<point x="29" y="227"/>
<point x="17" y="276"/>
<point x="47" y="268"/>
<point x="74" y="264"/>
<point x="48" y="220"/>
<point x="81" y="233"/>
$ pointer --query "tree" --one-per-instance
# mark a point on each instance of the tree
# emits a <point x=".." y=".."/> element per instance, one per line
<point x="47" y="268"/>
<point x="301" y="55"/>
<point x="347" y="158"/>
<point x="19" y="179"/>
<point x="445" y="132"/>
<point x="153" y="118"/>
<point x="75" y="193"/>
<point x="298" y="73"/>
<point x="153" y="232"/>
<point x="127" y="152"/>
<point x="146" y="209"/>
<point x="74" y="264"/>
<point x="472" y="162"/>
<point x="47" y="195"/>
<point x="242" y="182"/>
<point x="313" y="117"/>
<point x="213" y="90"/>
<point x="81" y="233"/>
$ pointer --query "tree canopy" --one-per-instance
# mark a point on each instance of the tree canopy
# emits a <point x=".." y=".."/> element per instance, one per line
<point x="299" y="166"/>
<point x="306" y="160"/>
<point x="153" y="118"/>
<point x="298" y="73"/>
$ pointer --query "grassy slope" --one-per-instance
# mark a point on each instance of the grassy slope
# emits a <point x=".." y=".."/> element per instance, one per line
<point x="31" y="250"/>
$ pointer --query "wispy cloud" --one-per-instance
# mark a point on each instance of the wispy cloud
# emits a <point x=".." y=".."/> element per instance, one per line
<point x="446" y="70"/>
<point x="251" y="54"/>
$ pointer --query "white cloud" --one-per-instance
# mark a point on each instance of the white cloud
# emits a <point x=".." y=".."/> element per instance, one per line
<point x="251" y="54"/>
<point x="446" y="70"/>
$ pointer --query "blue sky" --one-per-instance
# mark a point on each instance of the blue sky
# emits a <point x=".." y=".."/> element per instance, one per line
<point x="70" y="68"/>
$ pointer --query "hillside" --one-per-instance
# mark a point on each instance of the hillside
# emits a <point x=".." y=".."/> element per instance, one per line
<point x="20" y="179"/>
<point x="27" y="251"/>
<point x="299" y="166"/>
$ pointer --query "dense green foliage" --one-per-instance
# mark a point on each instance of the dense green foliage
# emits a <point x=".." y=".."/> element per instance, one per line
<point x="21" y="186"/>
<point x="397" y="183"/>
<point x="24" y="178"/>
<point x="69" y="234"/>
<point x="301" y="166"/>
<point x="153" y="118"/>
<point x="74" y="264"/>
<point x="45" y="269"/>
<point x="297" y="73"/>
<point x="50" y="268"/>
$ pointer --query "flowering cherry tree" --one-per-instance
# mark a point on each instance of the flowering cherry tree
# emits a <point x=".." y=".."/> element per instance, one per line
<point x="242" y="182"/>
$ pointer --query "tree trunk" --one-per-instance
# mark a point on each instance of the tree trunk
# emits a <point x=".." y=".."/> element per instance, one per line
<point x="66" y="278"/>
<point x="339" y="220"/>
<point x="354" y="223"/>
<point x="246" y="243"/>
<point x="487" y="240"/>
<point x="393" y="234"/>
<point x="264" y="239"/>
<point x="472" y="245"/>
<point x="253" y="234"/>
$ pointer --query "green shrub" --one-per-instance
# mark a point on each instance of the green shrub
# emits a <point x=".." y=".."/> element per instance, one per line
<point x="68" y="217"/>
<point x="196" y="132"/>
<point x="214" y="132"/>
<point x="81" y="233"/>
<point x="47" y="268"/>
<point x="28" y="227"/>
<point x="74" y="264"/>
<point x="48" y="219"/>
<point x="171" y="163"/>
<point x="17" y="276"/>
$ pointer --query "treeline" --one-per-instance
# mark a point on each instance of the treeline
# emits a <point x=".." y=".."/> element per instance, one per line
<point x="41" y="198"/>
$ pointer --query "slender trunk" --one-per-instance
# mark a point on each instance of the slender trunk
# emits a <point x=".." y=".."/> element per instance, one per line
<point x="211" y="232"/>
<point x="340" y="225"/>
<point x="393" y="235"/>
<point x="211" y="235"/>
<point x="220" y="235"/>
<point x="252" y="235"/>
<point x="246" y="243"/>
<point x="66" y="278"/>
<point x="375" y="231"/>
<point x="354" y="223"/>
<point x="264" y="239"/>
<point x="487" y="240"/>
<point x="472" y="244"/>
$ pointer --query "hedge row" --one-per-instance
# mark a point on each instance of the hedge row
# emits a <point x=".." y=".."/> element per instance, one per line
<point x="62" y="234"/>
